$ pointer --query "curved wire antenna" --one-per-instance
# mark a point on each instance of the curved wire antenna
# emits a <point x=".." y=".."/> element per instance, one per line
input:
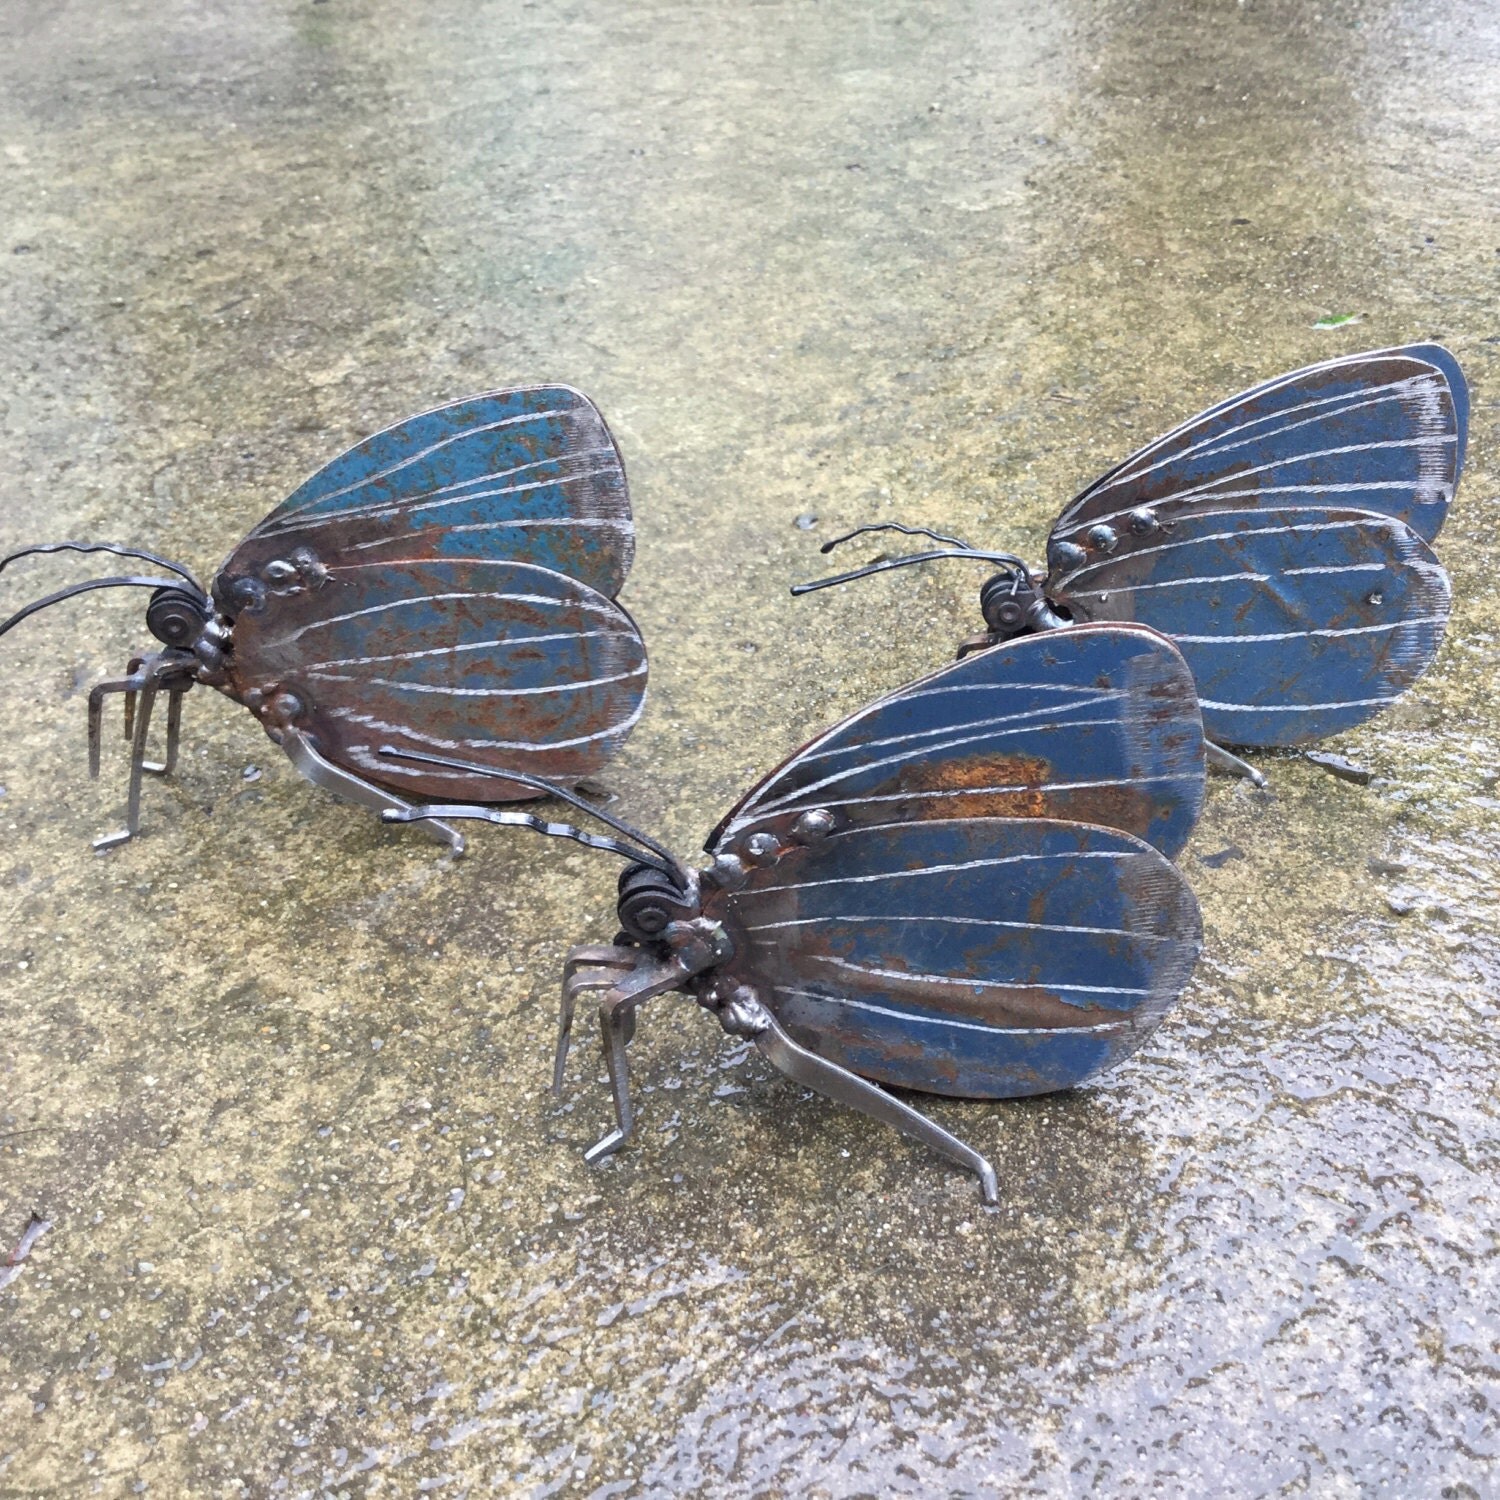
<point x="84" y="588"/>
<point x="1002" y="559"/>
<point x="111" y="547"/>
<point x="642" y="847"/>
<point x="936" y="536"/>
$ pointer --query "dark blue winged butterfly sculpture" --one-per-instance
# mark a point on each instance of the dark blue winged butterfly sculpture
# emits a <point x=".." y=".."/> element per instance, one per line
<point x="965" y="889"/>
<point x="447" y="585"/>
<point x="1281" y="538"/>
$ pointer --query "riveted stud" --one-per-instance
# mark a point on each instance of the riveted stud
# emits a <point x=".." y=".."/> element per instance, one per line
<point x="1103" y="538"/>
<point x="1142" y="521"/>
<point x="814" y="825"/>
<point x="1062" y="557"/>
<point x="761" y="849"/>
<point x="728" y="872"/>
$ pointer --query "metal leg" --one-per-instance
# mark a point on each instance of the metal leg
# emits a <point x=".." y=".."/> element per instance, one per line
<point x="168" y="764"/>
<point x="839" y="1084"/>
<point x="302" y="754"/>
<point x="1220" y="757"/>
<point x="585" y="970"/>
<point x="130" y="686"/>
<point x="144" y="699"/>
<point x="617" y="1022"/>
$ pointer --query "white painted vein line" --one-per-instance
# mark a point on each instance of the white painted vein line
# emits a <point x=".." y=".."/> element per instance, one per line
<point x="422" y="600"/>
<point x="949" y="869"/>
<point x="1192" y="492"/>
<point x="559" y="523"/>
<point x="841" y="740"/>
<point x="951" y="1021"/>
<point x="1195" y="579"/>
<point x="514" y="640"/>
<point x="364" y="755"/>
<point x="946" y="921"/>
<point x="865" y="767"/>
<point x="924" y="794"/>
<point x="1376" y="524"/>
<point x="886" y="764"/>
<point x="1297" y="635"/>
<point x="522" y="419"/>
<point x="1423" y="389"/>
<point x="1309" y="414"/>
<point x="397" y="686"/>
<point x="959" y="981"/>
<point x="426" y="500"/>
<point x="834" y="739"/>
<point x="1298" y="708"/>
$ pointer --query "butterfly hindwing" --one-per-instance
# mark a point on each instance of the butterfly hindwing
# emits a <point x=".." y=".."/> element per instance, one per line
<point x="531" y="474"/>
<point x="976" y="957"/>
<point x="1093" y="724"/>
<point x="1296" y="624"/>
<point x="492" y="661"/>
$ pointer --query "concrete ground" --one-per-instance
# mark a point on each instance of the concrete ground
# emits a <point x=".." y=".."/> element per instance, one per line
<point x="275" y="1075"/>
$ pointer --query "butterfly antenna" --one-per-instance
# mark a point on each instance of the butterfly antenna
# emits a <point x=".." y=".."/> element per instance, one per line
<point x="84" y="588"/>
<point x="1001" y="559"/>
<point x="116" y="550"/>
<point x="936" y="536"/>
<point x="641" y="848"/>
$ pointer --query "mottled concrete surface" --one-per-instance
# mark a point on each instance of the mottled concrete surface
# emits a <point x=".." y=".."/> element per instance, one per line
<point x="276" y="1075"/>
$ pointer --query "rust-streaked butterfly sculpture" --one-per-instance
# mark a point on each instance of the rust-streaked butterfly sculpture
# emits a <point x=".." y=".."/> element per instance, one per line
<point x="966" y="888"/>
<point x="1281" y="538"/>
<point x="447" y="585"/>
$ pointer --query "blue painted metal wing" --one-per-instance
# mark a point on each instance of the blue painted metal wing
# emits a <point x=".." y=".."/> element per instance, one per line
<point x="500" y="662"/>
<point x="1381" y="432"/>
<point x="1296" y="623"/>
<point x="976" y="957"/>
<point x="531" y="474"/>
<point x="1095" y="724"/>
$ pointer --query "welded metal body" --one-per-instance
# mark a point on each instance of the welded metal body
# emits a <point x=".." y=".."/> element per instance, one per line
<point x="1281" y="538"/>
<point x="445" y="585"/>
<point x="904" y="900"/>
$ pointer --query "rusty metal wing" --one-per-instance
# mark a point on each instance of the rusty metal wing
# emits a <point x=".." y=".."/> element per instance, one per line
<point x="1297" y="624"/>
<point x="1383" y="432"/>
<point x="975" y="957"/>
<point x="493" y="661"/>
<point x="1097" y="724"/>
<point x="531" y="474"/>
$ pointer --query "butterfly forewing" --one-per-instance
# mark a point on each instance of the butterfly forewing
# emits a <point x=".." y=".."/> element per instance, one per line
<point x="501" y="662"/>
<point x="1380" y="432"/>
<point x="531" y="474"/>
<point x="977" y="957"/>
<point x="1094" y="724"/>
<point x="1296" y="624"/>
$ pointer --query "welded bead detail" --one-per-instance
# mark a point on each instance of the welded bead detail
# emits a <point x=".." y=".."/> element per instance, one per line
<point x="1062" y="557"/>
<point x="761" y="849"/>
<point x="1103" y="538"/>
<point x="814" y="825"/>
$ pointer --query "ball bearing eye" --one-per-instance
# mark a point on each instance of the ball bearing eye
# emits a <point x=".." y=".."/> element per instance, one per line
<point x="175" y="618"/>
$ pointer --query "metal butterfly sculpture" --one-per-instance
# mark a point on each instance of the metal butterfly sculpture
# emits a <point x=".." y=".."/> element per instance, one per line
<point x="964" y="889"/>
<point x="1280" y="538"/>
<point x="446" y="585"/>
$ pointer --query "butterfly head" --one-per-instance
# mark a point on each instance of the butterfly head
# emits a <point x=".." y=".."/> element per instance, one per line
<point x="652" y="903"/>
